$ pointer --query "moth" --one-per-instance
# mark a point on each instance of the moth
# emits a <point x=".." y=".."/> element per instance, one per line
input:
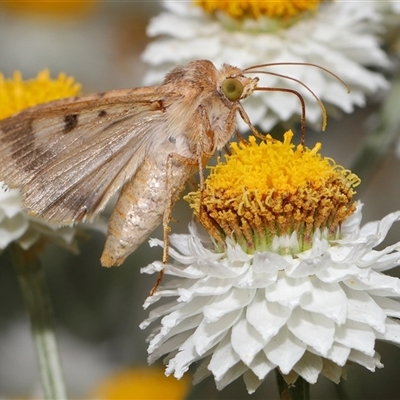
<point x="70" y="156"/>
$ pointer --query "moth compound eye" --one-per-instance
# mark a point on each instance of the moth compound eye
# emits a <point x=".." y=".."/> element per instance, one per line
<point x="232" y="89"/>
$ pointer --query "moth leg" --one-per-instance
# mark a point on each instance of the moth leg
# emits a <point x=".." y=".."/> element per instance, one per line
<point x="246" y="119"/>
<point x="168" y="211"/>
<point x="240" y="137"/>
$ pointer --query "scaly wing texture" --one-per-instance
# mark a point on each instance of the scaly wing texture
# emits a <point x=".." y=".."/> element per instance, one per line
<point x="69" y="157"/>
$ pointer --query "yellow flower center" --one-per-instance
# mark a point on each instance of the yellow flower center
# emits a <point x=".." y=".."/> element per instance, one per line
<point x="274" y="189"/>
<point x="282" y="9"/>
<point x="17" y="94"/>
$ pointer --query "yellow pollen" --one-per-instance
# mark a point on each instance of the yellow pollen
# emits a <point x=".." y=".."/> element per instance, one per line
<point x="17" y="94"/>
<point x="281" y="9"/>
<point x="274" y="189"/>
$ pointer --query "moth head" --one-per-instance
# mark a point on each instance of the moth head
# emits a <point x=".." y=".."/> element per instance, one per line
<point x="234" y="85"/>
<point x="238" y="88"/>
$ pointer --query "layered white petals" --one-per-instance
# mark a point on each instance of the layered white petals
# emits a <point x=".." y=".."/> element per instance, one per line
<point x="244" y="315"/>
<point x="341" y="36"/>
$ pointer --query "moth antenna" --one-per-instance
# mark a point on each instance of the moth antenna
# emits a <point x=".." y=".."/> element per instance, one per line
<point x="299" y="63"/>
<point x="253" y="69"/>
<point x="321" y="105"/>
<point x="303" y="108"/>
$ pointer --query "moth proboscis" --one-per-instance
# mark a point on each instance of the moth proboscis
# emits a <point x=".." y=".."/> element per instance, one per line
<point x="70" y="156"/>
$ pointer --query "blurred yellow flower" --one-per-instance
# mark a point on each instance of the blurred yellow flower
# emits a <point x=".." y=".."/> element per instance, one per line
<point x="141" y="383"/>
<point x="17" y="94"/>
<point x="53" y="8"/>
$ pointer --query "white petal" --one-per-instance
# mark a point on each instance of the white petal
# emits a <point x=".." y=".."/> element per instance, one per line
<point x="181" y="312"/>
<point x="235" y="372"/>
<point x="312" y="328"/>
<point x="170" y="24"/>
<point x="355" y="335"/>
<point x="392" y="333"/>
<point x="328" y="299"/>
<point x="221" y="269"/>
<point x="309" y="266"/>
<point x="10" y="201"/>
<point x="208" y="334"/>
<point x="236" y="253"/>
<point x="362" y="308"/>
<point x="202" y="371"/>
<point x="309" y="367"/>
<point x="235" y="299"/>
<point x="246" y="341"/>
<point x="251" y="381"/>
<point x="331" y="370"/>
<point x="379" y="229"/>
<point x="261" y="366"/>
<point x="285" y="350"/>
<point x="158" y="312"/>
<point x="288" y="291"/>
<point x="366" y="361"/>
<point x="266" y="317"/>
<point x="166" y="332"/>
<point x="375" y="283"/>
<point x="390" y="307"/>
<point x="12" y="229"/>
<point x="182" y="360"/>
<point x="157" y="350"/>
<point x="338" y="272"/>
<point x="338" y="354"/>
<point x="203" y="287"/>
<point x="223" y="358"/>
<point x="270" y="262"/>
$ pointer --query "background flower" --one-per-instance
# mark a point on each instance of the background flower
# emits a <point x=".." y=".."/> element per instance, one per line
<point x="18" y="227"/>
<point x="341" y="36"/>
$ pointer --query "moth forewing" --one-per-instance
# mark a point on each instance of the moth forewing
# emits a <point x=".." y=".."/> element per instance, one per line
<point x="69" y="157"/>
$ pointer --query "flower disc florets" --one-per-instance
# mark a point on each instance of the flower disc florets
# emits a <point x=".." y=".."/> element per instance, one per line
<point x="275" y="190"/>
<point x="256" y="9"/>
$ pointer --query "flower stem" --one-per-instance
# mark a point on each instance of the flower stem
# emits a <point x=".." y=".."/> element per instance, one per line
<point x="299" y="391"/>
<point x="36" y="296"/>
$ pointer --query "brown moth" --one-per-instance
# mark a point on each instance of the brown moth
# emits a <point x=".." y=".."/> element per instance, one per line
<point x="69" y="157"/>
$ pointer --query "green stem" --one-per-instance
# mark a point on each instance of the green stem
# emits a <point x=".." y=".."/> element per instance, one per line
<point x="299" y="391"/>
<point x="36" y="296"/>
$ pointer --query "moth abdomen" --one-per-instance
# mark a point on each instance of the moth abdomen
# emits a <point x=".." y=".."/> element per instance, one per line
<point x="141" y="206"/>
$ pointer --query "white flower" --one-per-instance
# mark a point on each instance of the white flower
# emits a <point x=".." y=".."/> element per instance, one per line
<point x="238" y="314"/>
<point x="25" y="230"/>
<point x="341" y="36"/>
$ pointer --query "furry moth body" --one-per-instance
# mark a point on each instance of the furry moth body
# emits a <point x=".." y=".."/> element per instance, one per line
<point x="69" y="157"/>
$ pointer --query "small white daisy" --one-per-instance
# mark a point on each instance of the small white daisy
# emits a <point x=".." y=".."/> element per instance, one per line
<point x="341" y="36"/>
<point x="19" y="227"/>
<point x="288" y="281"/>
